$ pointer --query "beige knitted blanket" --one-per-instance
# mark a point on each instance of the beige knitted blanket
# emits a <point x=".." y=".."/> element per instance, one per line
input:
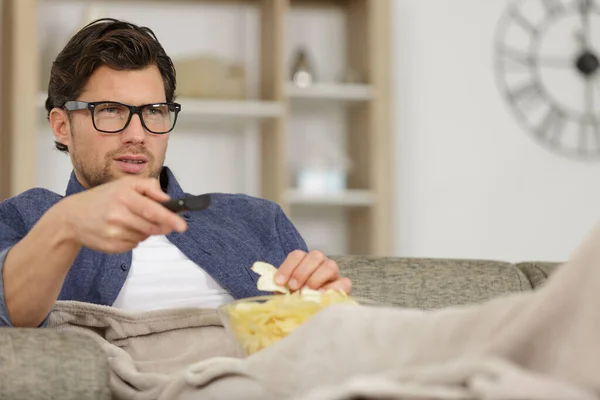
<point x="527" y="346"/>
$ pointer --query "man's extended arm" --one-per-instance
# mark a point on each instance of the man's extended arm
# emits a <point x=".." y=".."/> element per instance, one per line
<point x="35" y="269"/>
<point x="111" y="218"/>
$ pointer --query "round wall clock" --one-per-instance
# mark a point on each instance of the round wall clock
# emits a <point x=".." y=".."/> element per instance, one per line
<point x="547" y="67"/>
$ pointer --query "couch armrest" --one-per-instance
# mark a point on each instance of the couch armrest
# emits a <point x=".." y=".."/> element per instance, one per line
<point x="46" y="364"/>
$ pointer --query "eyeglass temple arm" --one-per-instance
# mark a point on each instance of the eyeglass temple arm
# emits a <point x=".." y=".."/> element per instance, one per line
<point x="76" y="105"/>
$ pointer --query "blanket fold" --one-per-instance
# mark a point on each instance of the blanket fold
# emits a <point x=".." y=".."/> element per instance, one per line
<point x="147" y="351"/>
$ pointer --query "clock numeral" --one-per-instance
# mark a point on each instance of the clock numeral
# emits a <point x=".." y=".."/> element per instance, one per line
<point x="553" y="7"/>
<point x="516" y="60"/>
<point x="551" y="126"/>
<point x="589" y="135"/>
<point x="523" y="21"/>
<point x="527" y="96"/>
<point x="585" y="5"/>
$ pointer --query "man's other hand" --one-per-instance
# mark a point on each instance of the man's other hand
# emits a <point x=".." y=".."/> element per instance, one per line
<point x="313" y="270"/>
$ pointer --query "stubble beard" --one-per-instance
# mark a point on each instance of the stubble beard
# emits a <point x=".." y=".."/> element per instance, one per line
<point x="95" y="176"/>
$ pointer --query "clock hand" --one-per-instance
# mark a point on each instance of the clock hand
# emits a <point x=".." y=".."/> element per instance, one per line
<point x="554" y="62"/>
<point x="584" y="9"/>
<point x="590" y="120"/>
<point x="596" y="83"/>
<point x="587" y="63"/>
<point x="589" y="98"/>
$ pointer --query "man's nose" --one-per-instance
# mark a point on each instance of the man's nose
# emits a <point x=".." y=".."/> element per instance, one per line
<point x="135" y="132"/>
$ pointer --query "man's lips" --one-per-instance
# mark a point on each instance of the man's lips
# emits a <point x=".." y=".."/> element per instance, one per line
<point x="132" y="164"/>
<point x="132" y="159"/>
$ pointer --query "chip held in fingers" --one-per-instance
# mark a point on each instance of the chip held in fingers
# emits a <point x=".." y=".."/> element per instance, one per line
<point x="266" y="282"/>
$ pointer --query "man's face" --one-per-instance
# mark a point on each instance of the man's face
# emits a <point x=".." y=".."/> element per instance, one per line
<point x="99" y="157"/>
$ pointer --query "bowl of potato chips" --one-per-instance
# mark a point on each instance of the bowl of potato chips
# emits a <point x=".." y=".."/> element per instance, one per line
<point x="257" y="322"/>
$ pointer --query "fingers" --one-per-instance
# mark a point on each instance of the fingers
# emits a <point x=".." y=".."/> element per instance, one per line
<point x="290" y="263"/>
<point x="313" y="270"/>
<point x="343" y="284"/>
<point x="326" y="273"/>
<point x="299" y="268"/>
<point x="150" y="188"/>
<point x="154" y="213"/>
<point x="116" y="216"/>
<point x="122" y="217"/>
<point x="305" y="269"/>
<point x="117" y="239"/>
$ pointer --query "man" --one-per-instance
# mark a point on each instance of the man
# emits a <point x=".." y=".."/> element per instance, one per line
<point x="109" y="240"/>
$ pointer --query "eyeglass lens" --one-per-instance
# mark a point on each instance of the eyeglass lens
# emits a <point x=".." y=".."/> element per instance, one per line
<point x="112" y="117"/>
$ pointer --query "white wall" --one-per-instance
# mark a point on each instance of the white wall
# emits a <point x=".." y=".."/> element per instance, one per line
<point x="470" y="181"/>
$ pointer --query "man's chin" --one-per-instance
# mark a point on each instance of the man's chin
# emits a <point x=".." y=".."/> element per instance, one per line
<point x="145" y="173"/>
<point x="110" y="174"/>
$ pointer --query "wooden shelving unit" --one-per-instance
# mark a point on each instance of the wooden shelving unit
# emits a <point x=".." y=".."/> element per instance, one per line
<point x="368" y="198"/>
<point x="18" y="90"/>
<point x="330" y="91"/>
<point x="348" y="198"/>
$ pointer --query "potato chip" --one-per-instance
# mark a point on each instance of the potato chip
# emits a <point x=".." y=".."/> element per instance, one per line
<point x="263" y="268"/>
<point x="257" y="324"/>
<point x="266" y="282"/>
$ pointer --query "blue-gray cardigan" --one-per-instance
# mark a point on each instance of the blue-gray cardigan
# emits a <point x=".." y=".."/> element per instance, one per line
<point x="224" y="240"/>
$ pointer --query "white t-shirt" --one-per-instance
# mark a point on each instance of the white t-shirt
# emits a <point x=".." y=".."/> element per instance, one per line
<point x="161" y="277"/>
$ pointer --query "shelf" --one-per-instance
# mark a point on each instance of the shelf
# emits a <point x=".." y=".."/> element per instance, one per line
<point x="348" y="198"/>
<point x="246" y="109"/>
<point x="238" y="109"/>
<point x="330" y="91"/>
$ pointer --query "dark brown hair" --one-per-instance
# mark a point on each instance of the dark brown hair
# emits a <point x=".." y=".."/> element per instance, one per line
<point x="117" y="44"/>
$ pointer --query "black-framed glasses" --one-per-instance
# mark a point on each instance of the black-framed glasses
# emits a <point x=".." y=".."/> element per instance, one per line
<point x="113" y="117"/>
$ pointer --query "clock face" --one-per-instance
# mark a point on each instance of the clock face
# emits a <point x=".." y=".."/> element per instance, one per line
<point x="547" y="67"/>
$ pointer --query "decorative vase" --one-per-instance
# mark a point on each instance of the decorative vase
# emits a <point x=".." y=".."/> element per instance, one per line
<point x="303" y="74"/>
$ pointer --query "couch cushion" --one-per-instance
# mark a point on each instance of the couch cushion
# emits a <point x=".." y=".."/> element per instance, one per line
<point x="430" y="283"/>
<point x="46" y="364"/>
<point x="537" y="272"/>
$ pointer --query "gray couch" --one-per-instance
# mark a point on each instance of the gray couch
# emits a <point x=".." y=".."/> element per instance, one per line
<point x="44" y="364"/>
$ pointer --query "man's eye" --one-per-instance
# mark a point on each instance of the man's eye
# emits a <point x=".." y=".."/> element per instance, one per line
<point x="155" y="111"/>
<point x="109" y="109"/>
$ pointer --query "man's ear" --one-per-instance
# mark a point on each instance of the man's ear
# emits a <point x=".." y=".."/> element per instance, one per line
<point x="59" y="122"/>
